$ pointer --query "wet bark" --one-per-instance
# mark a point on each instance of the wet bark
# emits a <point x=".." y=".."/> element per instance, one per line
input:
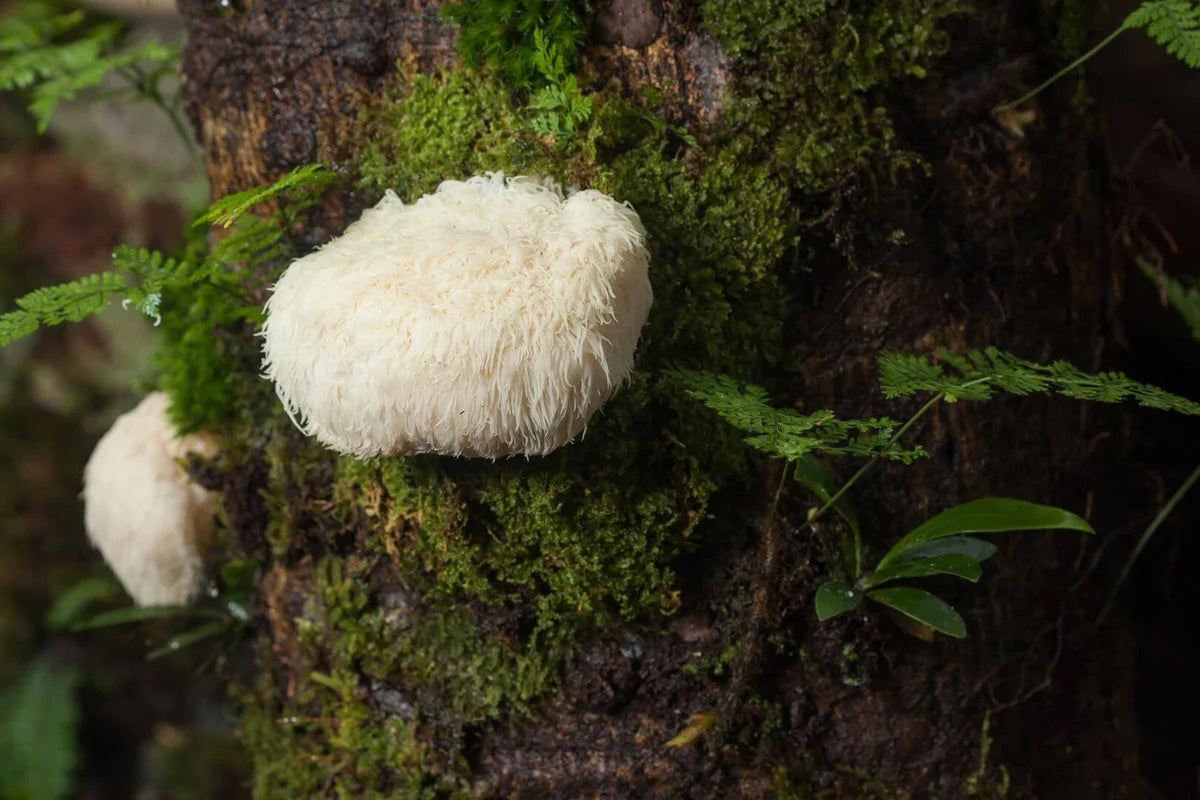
<point x="1006" y="244"/>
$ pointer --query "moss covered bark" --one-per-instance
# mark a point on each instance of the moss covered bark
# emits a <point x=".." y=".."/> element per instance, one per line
<point x="819" y="180"/>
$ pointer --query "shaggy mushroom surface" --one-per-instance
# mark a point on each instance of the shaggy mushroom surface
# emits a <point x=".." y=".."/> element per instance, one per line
<point x="143" y="512"/>
<point x="491" y="318"/>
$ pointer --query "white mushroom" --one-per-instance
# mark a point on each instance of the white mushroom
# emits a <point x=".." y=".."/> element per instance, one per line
<point x="490" y="318"/>
<point x="143" y="512"/>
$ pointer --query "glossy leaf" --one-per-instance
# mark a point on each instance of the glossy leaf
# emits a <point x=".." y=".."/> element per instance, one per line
<point x="954" y="564"/>
<point x="989" y="515"/>
<point x="835" y="598"/>
<point x="978" y="549"/>
<point x="925" y="608"/>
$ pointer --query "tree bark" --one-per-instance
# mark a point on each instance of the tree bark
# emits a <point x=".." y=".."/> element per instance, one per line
<point x="1004" y="242"/>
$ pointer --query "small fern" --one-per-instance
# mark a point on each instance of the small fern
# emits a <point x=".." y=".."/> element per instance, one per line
<point x="1184" y="299"/>
<point x="53" y="305"/>
<point x="981" y="373"/>
<point x="310" y="177"/>
<point x="35" y="57"/>
<point x="141" y="278"/>
<point x="1173" y="24"/>
<point x="785" y="432"/>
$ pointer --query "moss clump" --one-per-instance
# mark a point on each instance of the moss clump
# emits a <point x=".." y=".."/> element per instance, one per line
<point x="806" y="71"/>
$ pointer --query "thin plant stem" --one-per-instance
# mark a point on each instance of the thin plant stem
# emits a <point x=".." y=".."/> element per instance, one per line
<point x="828" y="504"/>
<point x="1151" y="529"/>
<point x="1083" y="58"/>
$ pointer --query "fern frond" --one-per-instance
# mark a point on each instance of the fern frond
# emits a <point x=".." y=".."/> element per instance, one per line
<point x="53" y="305"/>
<point x="785" y="432"/>
<point x="981" y="373"/>
<point x="1173" y="24"/>
<point x="224" y="211"/>
<point x="29" y="24"/>
<point x="1184" y="299"/>
<point x="56" y="71"/>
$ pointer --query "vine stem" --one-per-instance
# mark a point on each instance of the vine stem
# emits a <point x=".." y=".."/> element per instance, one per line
<point x="1151" y="529"/>
<point x="1083" y="58"/>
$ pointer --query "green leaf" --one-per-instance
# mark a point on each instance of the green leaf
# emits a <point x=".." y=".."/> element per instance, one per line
<point x="189" y="638"/>
<point x="71" y="604"/>
<point x="130" y="614"/>
<point x="957" y="565"/>
<point x="978" y="549"/>
<point x="1173" y="24"/>
<point x="989" y="515"/>
<point x="39" y="718"/>
<point x="224" y="211"/>
<point x="925" y="608"/>
<point x="835" y="598"/>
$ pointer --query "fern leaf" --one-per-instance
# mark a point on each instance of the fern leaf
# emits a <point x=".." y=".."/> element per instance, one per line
<point x="32" y="23"/>
<point x="67" y="84"/>
<point x="55" y="71"/>
<point x="224" y="211"/>
<point x="981" y="373"/>
<point x="1173" y="24"/>
<point x="52" y="305"/>
<point x="785" y="432"/>
<point x="1184" y="299"/>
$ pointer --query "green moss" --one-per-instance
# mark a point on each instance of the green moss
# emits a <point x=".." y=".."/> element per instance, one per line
<point x="806" y="71"/>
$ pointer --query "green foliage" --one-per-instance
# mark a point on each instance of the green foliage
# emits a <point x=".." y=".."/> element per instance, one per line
<point x="66" y="302"/>
<point x="309" y="177"/>
<point x="505" y="34"/>
<point x="979" y="374"/>
<point x="939" y="547"/>
<point x="1183" y="298"/>
<point x="558" y="107"/>
<point x="1173" y="24"/>
<point x="206" y="301"/>
<point x="39" y="717"/>
<point x="58" y="55"/>
<point x="785" y="432"/>
<point x="222" y="615"/>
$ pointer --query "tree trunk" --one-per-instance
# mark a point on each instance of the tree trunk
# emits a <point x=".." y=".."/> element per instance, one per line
<point x="543" y="628"/>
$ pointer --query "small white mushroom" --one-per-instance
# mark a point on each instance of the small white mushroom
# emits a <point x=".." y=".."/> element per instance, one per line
<point x="490" y="318"/>
<point x="149" y="520"/>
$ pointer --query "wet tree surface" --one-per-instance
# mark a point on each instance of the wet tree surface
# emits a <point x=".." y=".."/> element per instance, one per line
<point x="1001" y="237"/>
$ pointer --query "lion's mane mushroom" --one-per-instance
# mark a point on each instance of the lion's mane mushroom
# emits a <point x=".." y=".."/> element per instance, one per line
<point x="143" y="512"/>
<point x="490" y="318"/>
